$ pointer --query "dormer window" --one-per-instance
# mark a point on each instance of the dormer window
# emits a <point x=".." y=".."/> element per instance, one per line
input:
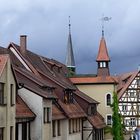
<point x="68" y="96"/>
<point x="91" y="109"/>
<point x="48" y="89"/>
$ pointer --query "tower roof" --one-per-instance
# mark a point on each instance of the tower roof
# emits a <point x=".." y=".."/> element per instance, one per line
<point x="70" y="62"/>
<point x="102" y="52"/>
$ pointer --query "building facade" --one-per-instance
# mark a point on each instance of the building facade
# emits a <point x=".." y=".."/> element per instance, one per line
<point x="7" y="99"/>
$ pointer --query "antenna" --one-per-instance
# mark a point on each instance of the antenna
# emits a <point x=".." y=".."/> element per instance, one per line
<point x="103" y="19"/>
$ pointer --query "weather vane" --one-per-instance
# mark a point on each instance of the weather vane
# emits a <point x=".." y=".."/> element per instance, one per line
<point x="103" y="19"/>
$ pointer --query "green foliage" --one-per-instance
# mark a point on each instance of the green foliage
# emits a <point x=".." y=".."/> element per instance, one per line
<point x="108" y="129"/>
<point x="71" y="72"/>
<point x="117" y="128"/>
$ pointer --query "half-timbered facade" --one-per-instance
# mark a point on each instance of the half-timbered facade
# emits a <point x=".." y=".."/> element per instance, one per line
<point x="129" y="99"/>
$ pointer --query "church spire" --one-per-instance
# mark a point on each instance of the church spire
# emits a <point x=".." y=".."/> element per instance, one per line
<point x="103" y="59"/>
<point x="103" y="56"/>
<point x="70" y="62"/>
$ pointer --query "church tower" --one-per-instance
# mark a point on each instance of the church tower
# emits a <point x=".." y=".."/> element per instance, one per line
<point x="70" y="62"/>
<point x="103" y="58"/>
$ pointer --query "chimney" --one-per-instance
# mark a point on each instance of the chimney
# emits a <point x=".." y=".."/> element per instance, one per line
<point x="23" y="44"/>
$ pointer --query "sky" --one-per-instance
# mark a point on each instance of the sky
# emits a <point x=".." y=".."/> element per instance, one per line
<point x="45" y="22"/>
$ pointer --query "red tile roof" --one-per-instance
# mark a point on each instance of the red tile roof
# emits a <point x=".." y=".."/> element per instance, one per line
<point x="3" y="61"/>
<point x="92" y="80"/>
<point x="72" y="110"/>
<point x="102" y="53"/>
<point x="124" y="80"/>
<point x="22" y="109"/>
<point x="32" y="83"/>
<point x="97" y="121"/>
<point x="57" y="113"/>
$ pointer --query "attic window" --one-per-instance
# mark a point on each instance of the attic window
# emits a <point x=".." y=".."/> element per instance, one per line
<point x="48" y="89"/>
<point x="91" y="109"/>
<point x="68" y="96"/>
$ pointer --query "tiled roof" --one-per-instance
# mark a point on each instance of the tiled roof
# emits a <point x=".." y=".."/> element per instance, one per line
<point x="3" y="61"/>
<point x="124" y="80"/>
<point x="72" y="110"/>
<point x="57" y="113"/>
<point x="91" y="80"/>
<point x="102" y="53"/>
<point x="54" y="75"/>
<point x="31" y="83"/>
<point x="22" y="110"/>
<point x="97" y="121"/>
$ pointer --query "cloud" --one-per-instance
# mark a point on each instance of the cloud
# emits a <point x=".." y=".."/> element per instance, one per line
<point x="46" y="24"/>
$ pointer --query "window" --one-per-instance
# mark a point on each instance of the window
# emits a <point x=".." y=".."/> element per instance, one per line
<point x="68" y="96"/>
<point x="53" y="129"/>
<point x="11" y="133"/>
<point x="102" y="65"/>
<point x="2" y="101"/>
<point x="80" y="124"/>
<point x="138" y="82"/>
<point x="24" y="131"/>
<point x="70" y="126"/>
<point x="132" y="122"/>
<point x="124" y="107"/>
<point x="91" y="109"/>
<point x="1" y="134"/>
<point x="73" y="125"/>
<point x="108" y="99"/>
<point x="12" y="100"/>
<point x="109" y="120"/>
<point x="132" y="94"/>
<point x="58" y="128"/>
<point x="47" y="115"/>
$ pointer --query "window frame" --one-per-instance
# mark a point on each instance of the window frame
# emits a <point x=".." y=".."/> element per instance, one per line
<point x="106" y="99"/>
<point x="132" y="122"/>
<point x="54" y="128"/>
<point x="58" y="127"/>
<point x="12" y="96"/>
<point x="2" y="96"/>
<point x="1" y="133"/>
<point x="107" y="120"/>
<point x="102" y="64"/>
<point x="47" y="114"/>
<point x="68" y="97"/>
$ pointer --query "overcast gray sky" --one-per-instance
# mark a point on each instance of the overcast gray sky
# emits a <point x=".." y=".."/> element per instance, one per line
<point x="45" y="22"/>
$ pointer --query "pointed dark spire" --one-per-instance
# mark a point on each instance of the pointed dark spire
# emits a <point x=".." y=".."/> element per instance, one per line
<point x="70" y="62"/>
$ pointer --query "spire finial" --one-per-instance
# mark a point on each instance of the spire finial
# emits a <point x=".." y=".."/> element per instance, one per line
<point x="102" y="25"/>
<point x="103" y="19"/>
<point x="69" y="25"/>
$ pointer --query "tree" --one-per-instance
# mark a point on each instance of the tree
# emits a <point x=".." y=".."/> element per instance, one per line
<point x="117" y="127"/>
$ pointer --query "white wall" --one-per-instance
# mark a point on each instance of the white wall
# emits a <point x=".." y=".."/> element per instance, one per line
<point x="47" y="132"/>
<point x="35" y="103"/>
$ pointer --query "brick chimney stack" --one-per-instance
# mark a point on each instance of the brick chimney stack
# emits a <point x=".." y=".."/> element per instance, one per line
<point x="23" y="44"/>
